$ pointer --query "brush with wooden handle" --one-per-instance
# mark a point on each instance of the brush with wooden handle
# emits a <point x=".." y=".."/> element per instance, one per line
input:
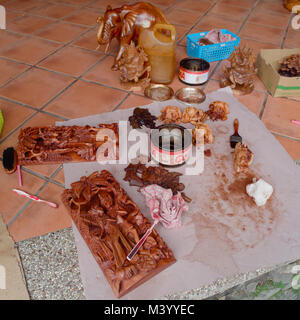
<point x="235" y="138"/>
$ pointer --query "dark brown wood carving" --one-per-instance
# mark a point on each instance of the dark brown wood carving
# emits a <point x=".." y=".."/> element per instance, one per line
<point x="51" y="144"/>
<point x="126" y="23"/>
<point x="111" y="224"/>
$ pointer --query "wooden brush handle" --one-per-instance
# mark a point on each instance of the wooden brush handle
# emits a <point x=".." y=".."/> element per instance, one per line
<point x="236" y="126"/>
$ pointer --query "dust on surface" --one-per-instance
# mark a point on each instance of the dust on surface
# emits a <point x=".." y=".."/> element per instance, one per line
<point x="226" y="219"/>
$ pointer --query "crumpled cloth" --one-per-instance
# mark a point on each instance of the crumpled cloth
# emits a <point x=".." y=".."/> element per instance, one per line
<point x="216" y="36"/>
<point x="164" y="206"/>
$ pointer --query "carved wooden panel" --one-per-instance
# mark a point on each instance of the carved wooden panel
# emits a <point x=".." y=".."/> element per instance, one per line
<point x="111" y="224"/>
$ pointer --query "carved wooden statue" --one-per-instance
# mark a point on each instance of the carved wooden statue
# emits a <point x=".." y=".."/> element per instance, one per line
<point x="134" y="73"/>
<point x="125" y="24"/>
<point x="241" y="72"/>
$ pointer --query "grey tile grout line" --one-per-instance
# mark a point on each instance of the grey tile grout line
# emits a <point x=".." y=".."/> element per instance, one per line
<point x="44" y="58"/>
<point x="248" y="15"/>
<point x="286" y="30"/>
<point x="262" y="110"/>
<point x="12" y="220"/>
<point x="284" y="136"/>
<point x="47" y="181"/>
<point x="33" y="108"/>
<point x="123" y="100"/>
<point x="200" y="18"/>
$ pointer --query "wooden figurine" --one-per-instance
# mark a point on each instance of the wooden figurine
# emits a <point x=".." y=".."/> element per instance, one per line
<point x="241" y="71"/>
<point x="125" y="24"/>
<point x="134" y="73"/>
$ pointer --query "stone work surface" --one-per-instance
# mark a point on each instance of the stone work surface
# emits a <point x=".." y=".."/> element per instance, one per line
<point x="51" y="267"/>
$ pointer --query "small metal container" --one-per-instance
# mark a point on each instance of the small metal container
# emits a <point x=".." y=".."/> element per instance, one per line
<point x="193" y="71"/>
<point x="190" y="95"/>
<point x="171" y="145"/>
<point x="159" y="92"/>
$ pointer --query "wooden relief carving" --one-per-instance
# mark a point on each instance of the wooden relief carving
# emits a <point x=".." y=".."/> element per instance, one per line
<point x="111" y="224"/>
<point x="51" y="144"/>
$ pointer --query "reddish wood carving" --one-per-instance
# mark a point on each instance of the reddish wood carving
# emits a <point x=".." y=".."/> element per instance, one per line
<point x="39" y="145"/>
<point x="126" y="23"/>
<point x="111" y="224"/>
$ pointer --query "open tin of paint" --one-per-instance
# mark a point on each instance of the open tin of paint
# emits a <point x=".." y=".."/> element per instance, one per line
<point x="193" y="71"/>
<point x="171" y="145"/>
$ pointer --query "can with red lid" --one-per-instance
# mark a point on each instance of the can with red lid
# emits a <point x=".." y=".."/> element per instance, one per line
<point x="193" y="71"/>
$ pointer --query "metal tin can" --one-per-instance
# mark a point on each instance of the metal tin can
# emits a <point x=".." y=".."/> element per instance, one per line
<point x="171" y="145"/>
<point x="193" y="71"/>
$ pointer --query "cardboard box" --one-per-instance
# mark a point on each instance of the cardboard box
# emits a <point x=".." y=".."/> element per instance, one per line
<point x="268" y="62"/>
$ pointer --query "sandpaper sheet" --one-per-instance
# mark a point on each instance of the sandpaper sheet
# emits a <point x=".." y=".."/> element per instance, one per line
<point x="223" y="233"/>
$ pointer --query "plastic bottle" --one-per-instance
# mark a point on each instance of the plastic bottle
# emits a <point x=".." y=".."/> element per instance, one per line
<point x="160" y="49"/>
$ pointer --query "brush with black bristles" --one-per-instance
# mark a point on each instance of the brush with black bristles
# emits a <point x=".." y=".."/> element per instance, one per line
<point x="10" y="160"/>
<point x="235" y="138"/>
<point x="10" y="163"/>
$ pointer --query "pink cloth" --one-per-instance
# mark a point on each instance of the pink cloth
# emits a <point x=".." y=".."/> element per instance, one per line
<point x="164" y="206"/>
<point x="216" y="36"/>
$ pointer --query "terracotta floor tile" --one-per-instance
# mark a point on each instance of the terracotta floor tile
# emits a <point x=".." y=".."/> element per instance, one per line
<point x="181" y="17"/>
<point x="71" y="60"/>
<point x="239" y="3"/>
<point x="253" y="101"/>
<point x="102" y="4"/>
<point x="103" y="74"/>
<point x="212" y="85"/>
<point x="278" y="115"/>
<point x="28" y="24"/>
<point x="291" y="146"/>
<point x="39" y="218"/>
<point x="194" y="5"/>
<point x="12" y="15"/>
<point x="53" y="10"/>
<point x="134" y="101"/>
<point x="272" y="6"/>
<point x="180" y="31"/>
<point x="78" y="3"/>
<point x="293" y="38"/>
<point x="84" y="16"/>
<point x="230" y="12"/>
<point x="215" y="21"/>
<point x="40" y="119"/>
<point x="11" y="203"/>
<point x="257" y="45"/>
<point x="83" y="99"/>
<point x="7" y="39"/>
<point x="43" y="84"/>
<point x="271" y="19"/>
<point x="62" y="32"/>
<point x="262" y="33"/>
<point x="44" y="169"/>
<point x="24" y="5"/>
<point x="89" y="41"/>
<point x="14" y="115"/>
<point x="30" y="51"/>
<point x="9" y="70"/>
<point x="60" y="177"/>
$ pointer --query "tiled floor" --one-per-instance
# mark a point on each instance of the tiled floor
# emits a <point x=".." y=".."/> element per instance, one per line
<point x="50" y="70"/>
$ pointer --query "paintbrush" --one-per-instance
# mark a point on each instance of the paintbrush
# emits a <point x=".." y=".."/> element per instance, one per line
<point x="10" y="163"/>
<point x="235" y="138"/>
